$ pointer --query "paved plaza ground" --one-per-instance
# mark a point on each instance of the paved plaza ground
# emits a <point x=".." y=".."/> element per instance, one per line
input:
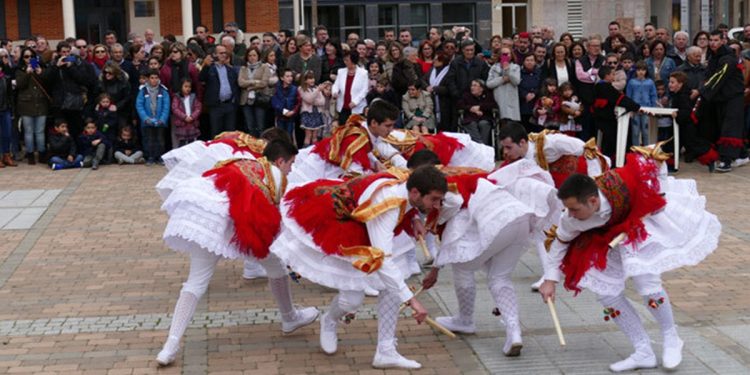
<point x="87" y="286"/>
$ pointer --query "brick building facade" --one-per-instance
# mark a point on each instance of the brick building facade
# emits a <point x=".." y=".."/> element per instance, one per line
<point x="20" y="19"/>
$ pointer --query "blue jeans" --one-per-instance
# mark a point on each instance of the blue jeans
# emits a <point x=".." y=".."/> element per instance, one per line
<point x="639" y="130"/>
<point x="6" y="132"/>
<point x="65" y="163"/>
<point x="33" y="130"/>
<point x="153" y="142"/>
<point x="286" y="125"/>
<point x="255" y="119"/>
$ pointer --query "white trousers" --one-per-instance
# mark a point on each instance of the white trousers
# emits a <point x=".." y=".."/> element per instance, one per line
<point x="203" y="264"/>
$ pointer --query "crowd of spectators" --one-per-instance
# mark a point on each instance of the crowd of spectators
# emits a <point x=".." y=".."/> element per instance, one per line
<point x="83" y="104"/>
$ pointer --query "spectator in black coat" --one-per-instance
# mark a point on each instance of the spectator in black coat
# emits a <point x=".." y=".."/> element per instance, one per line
<point x="606" y="97"/>
<point x="528" y="91"/>
<point x="464" y="69"/>
<point x="477" y="105"/>
<point x="73" y="82"/>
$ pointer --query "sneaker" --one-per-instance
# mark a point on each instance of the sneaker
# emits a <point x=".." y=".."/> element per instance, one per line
<point x="723" y="167"/>
<point x="739" y="162"/>
<point x="454" y="324"/>
<point x="253" y="270"/>
<point x="371" y="292"/>
<point x="328" y="335"/>
<point x="94" y="166"/>
<point x="56" y="167"/>
<point x="80" y="164"/>
<point x="390" y="358"/>
<point x="305" y="316"/>
<point x="140" y="160"/>
<point x="119" y="161"/>
<point x="168" y="353"/>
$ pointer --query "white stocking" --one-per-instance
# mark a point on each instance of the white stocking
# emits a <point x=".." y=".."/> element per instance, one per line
<point x="466" y="291"/>
<point x="388" y="306"/>
<point x="507" y="302"/>
<point x="629" y="322"/>
<point x="183" y="315"/>
<point x="661" y="308"/>
<point x="281" y="290"/>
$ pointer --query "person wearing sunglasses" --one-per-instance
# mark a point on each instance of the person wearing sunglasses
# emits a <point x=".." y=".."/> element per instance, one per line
<point x="101" y="56"/>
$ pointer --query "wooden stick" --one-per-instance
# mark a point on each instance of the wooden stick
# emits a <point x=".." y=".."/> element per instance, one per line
<point x="435" y="325"/>
<point x="556" y="321"/>
<point x="621" y="237"/>
<point x="423" y="245"/>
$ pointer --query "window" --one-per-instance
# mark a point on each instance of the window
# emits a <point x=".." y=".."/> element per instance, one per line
<point x="458" y="14"/>
<point x="328" y="16"/>
<point x="354" y="20"/>
<point x="144" y="8"/>
<point x="387" y="19"/>
<point x="420" y="21"/>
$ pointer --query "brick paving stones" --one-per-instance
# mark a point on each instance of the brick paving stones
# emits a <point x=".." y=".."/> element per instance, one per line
<point x="89" y="288"/>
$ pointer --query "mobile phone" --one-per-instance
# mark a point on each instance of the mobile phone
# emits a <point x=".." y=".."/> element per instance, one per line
<point x="70" y="59"/>
<point x="34" y="62"/>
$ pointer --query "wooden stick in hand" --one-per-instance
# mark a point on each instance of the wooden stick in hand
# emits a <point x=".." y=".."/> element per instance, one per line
<point x="423" y="246"/>
<point x="556" y="321"/>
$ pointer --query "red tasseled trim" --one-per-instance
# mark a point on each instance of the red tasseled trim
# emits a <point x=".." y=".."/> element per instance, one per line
<point x="323" y="148"/>
<point x="442" y="145"/>
<point x="231" y="142"/>
<point x="708" y="157"/>
<point x="731" y="142"/>
<point x="694" y="117"/>
<point x="590" y="248"/>
<point x="256" y="219"/>
<point x="466" y="184"/>
<point x="313" y="208"/>
<point x="619" y="99"/>
<point x="406" y="224"/>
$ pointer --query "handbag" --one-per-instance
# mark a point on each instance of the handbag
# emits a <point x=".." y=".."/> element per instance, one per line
<point x="262" y="100"/>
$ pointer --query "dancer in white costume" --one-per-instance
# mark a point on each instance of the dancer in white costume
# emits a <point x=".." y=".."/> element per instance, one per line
<point x="666" y="226"/>
<point x="560" y="154"/>
<point x="230" y="214"/>
<point x="194" y="159"/>
<point x="353" y="149"/>
<point x="341" y="235"/>
<point x="452" y="149"/>
<point x="504" y="211"/>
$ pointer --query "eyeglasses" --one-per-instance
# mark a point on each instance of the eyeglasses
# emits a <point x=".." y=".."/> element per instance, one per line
<point x="612" y="62"/>
<point x="175" y="51"/>
<point x="109" y="73"/>
<point x="25" y="56"/>
<point x="100" y="51"/>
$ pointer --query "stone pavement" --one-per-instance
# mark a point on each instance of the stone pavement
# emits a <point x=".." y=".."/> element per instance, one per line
<point x="87" y="286"/>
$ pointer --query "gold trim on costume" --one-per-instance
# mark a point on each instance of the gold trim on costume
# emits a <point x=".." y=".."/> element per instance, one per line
<point x="656" y="153"/>
<point x="369" y="259"/>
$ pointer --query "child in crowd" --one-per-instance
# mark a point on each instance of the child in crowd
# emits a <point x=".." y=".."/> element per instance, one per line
<point x="664" y="123"/>
<point x="547" y="107"/>
<point x="606" y="98"/>
<point x="152" y="105"/>
<point x="62" y="148"/>
<point x="329" y="109"/>
<point x="186" y="109"/>
<point x="374" y="73"/>
<point x="417" y="107"/>
<point x="382" y="90"/>
<point x="570" y="110"/>
<point x="105" y="116"/>
<point x="643" y="91"/>
<point x="126" y="147"/>
<point x="311" y="111"/>
<point x="628" y="65"/>
<point x="92" y="144"/>
<point x="286" y="102"/>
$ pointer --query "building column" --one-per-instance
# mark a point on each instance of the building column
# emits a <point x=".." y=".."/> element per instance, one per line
<point x="187" y="19"/>
<point x="69" y="18"/>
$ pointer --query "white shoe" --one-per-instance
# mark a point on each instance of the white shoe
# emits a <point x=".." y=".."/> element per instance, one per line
<point x="304" y="317"/>
<point x="454" y="324"/>
<point x="740" y="162"/>
<point x="634" y="362"/>
<point x="513" y="343"/>
<point x="328" y="337"/>
<point x="391" y="358"/>
<point x="672" y="355"/>
<point x="253" y="270"/>
<point x="370" y="292"/>
<point x="168" y="354"/>
<point x="535" y="286"/>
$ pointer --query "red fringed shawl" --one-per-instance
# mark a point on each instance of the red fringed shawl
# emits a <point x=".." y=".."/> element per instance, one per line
<point x="251" y="203"/>
<point x="347" y="144"/>
<point x="633" y="192"/>
<point x="324" y="209"/>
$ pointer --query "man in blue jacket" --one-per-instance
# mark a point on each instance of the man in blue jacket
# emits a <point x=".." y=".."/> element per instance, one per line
<point x="221" y="90"/>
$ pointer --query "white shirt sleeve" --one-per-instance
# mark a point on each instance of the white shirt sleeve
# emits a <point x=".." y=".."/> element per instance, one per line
<point x="381" y="235"/>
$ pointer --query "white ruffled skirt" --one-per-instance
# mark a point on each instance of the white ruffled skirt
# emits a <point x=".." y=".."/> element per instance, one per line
<point x="309" y="167"/>
<point x="199" y="220"/>
<point x="192" y="160"/>
<point x="296" y="249"/>
<point x="682" y="234"/>
<point x="473" y="154"/>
